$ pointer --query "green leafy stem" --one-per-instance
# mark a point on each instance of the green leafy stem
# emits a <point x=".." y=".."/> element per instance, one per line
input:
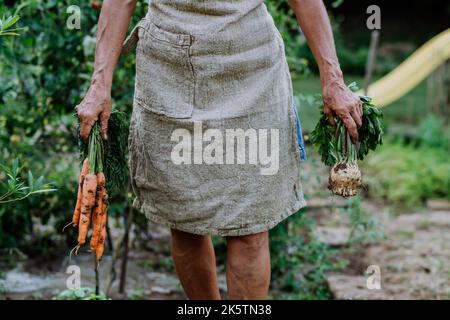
<point x="333" y="142"/>
<point x="16" y="189"/>
<point x="109" y="156"/>
<point x="6" y="26"/>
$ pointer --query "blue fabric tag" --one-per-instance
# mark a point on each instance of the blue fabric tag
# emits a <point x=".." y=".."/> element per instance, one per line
<point x="301" y="143"/>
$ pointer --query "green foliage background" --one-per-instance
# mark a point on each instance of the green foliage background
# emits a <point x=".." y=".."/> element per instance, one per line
<point x="44" y="74"/>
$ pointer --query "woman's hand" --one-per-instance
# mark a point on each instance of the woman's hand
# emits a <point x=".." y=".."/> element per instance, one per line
<point x="339" y="100"/>
<point x="96" y="105"/>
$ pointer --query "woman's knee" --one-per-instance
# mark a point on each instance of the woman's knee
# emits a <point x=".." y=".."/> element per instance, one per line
<point x="248" y="260"/>
<point x="250" y="244"/>
<point x="182" y="241"/>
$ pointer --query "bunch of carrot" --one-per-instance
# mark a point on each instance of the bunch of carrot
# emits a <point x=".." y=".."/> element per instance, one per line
<point x="92" y="198"/>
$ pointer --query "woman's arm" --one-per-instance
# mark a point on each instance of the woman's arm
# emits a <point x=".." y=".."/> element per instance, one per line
<point x="112" y="27"/>
<point x="338" y="99"/>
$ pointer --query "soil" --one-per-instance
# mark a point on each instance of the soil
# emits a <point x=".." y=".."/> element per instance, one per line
<point x="413" y="261"/>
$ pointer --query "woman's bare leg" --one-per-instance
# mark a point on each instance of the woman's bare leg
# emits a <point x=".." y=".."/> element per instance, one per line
<point x="195" y="263"/>
<point x="248" y="266"/>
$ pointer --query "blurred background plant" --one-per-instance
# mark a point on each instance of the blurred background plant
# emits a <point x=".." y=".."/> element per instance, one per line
<point x="84" y="293"/>
<point x="12" y="188"/>
<point x="7" y="26"/>
<point x="411" y="167"/>
<point x="16" y="190"/>
<point x="45" y="72"/>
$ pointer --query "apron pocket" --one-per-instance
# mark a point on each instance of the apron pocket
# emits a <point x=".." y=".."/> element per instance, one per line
<point x="131" y="41"/>
<point x="164" y="73"/>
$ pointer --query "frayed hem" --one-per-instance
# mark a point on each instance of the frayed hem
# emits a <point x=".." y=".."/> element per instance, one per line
<point x="261" y="227"/>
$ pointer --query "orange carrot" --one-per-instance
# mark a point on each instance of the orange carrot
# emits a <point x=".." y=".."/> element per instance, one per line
<point x="77" y="211"/>
<point x="101" y="240"/>
<point x="98" y="211"/>
<point x="87" y="203"/>
<point x="101" y="244"/>
<point x="96" y="220"/>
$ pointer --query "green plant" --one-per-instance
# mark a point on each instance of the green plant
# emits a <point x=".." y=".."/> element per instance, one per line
<point x="330" y="139"/>
<point x="16" y="190"/>
<point x="3" y="287"/>
<point x="289" y="30"/>
<point x="300" y="262"/>
<point x="37" y="296"/>
<point x="136" y="294"/>
<point x="83" y="293"/>
<point x="44" y="74"/>
<point x="406" y="175"/>
<point x="337" y="150"/>
<point x="18" y="217"/>
<point x="365" y="228"/>
<point x="6" y="26"/>
<point x="114" y="150"/>
<point x="433" y="134"/>
<point x="48" y="69"/>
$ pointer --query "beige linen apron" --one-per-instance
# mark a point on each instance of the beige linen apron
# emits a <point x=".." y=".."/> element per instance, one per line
<point x="212" y="65"/>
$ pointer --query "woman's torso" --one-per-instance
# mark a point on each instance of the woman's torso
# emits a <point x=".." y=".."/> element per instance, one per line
<point x="219" y="65"/>
<point x="203" y="16"/>
<point x="227" y="58"/>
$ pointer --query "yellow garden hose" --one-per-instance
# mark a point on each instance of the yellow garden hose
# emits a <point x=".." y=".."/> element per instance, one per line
<point x="412" y="71"/>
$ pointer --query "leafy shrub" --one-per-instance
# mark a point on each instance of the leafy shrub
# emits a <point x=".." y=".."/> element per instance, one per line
<point x="409" y="171"/>
<point x="14" y="189"/>
<point x="7" y="27"/>
<point x="352" y="60"/>
<point x="295" y="44"/>
<point x="45" y="72"/>
<point x="48" y="68"/>
<point x="433" y="134"/>
<point x="406" y="175"/>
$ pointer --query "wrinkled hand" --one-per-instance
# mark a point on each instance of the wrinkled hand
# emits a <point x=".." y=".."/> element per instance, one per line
<point x="96" y="105"/>
<point x="339" y="100"/>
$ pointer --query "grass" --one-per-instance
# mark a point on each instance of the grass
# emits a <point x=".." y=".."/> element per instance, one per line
<point x="406" y="175"/>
